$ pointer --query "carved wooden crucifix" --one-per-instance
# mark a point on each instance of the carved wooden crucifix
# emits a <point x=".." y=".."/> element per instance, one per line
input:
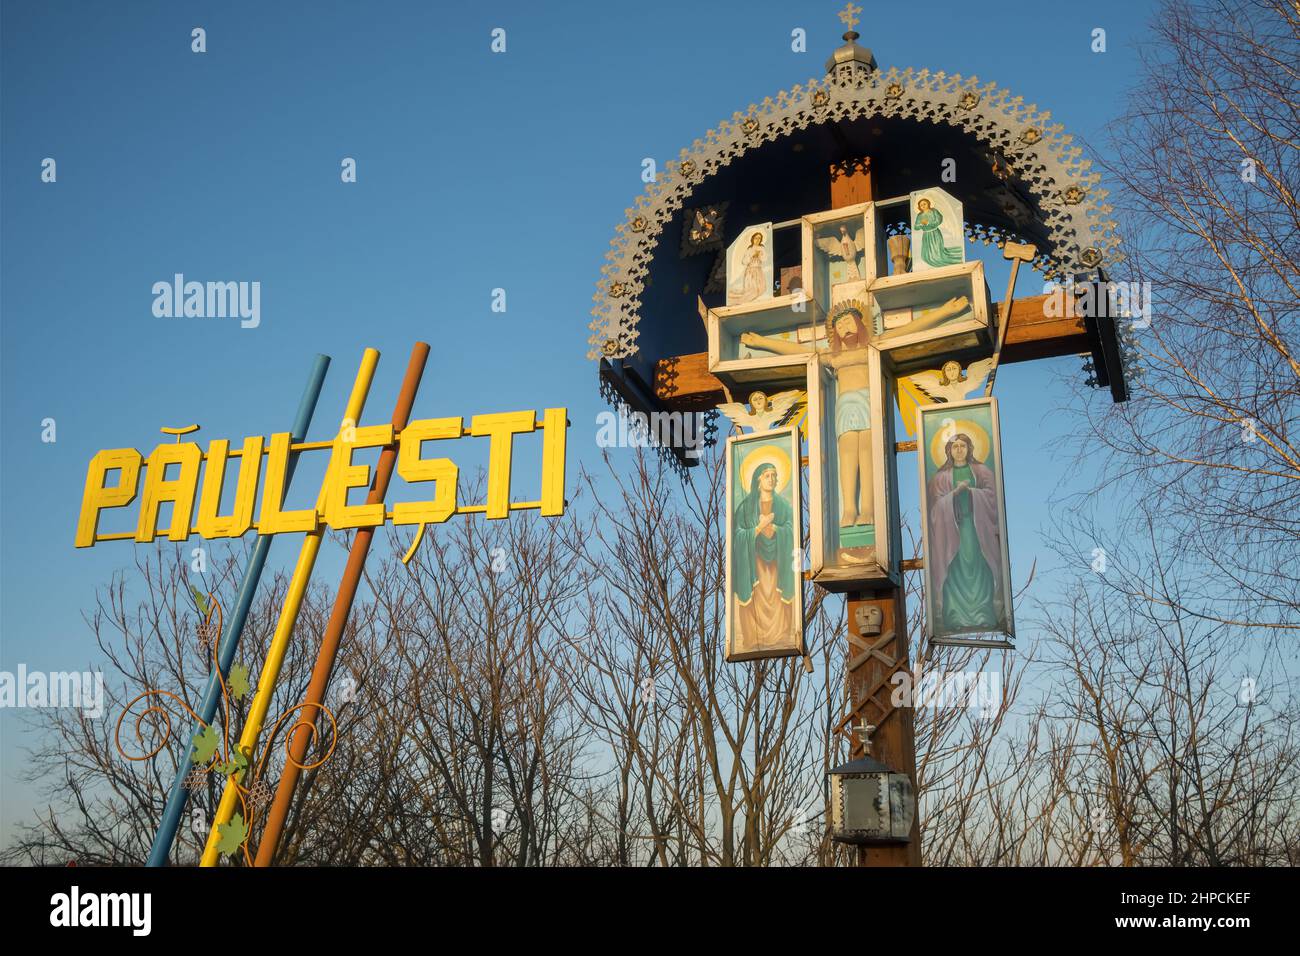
<point x="866" y="314"/>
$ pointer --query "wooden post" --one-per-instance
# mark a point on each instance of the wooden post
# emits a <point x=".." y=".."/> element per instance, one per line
<point x="893" y="741"/>
<point x="877" y="657"/>
<point x="851" y="182"/>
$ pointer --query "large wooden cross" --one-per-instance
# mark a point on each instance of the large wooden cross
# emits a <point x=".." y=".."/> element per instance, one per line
<point x="874" y="656"/>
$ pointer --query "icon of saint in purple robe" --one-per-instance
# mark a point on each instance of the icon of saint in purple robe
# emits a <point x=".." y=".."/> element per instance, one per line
<point x="965" y="544"/>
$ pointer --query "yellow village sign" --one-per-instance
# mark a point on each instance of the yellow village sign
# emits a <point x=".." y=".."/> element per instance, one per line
<point x="342" y="475"/>
<point x="172" y="478"/>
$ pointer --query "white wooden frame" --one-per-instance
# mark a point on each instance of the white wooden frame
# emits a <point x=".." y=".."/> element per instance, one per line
<point x="881" y="240"/>
<point x="796" y="484"/>
<point x="823" y="547"/>
<point x="922" y="447"/>
<point x="867" y="210"/>
<point x="812" y="372"/>
<point x="774" y="369"/>
<point x="972" y="333"/>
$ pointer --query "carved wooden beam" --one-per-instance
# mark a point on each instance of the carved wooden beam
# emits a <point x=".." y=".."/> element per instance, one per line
<point x="683" y="382"/>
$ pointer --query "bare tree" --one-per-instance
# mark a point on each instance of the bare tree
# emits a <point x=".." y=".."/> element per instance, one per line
<point x="1207" y="159"/>
<point x="1177" y="759"/>
<point x="717" y="762"/>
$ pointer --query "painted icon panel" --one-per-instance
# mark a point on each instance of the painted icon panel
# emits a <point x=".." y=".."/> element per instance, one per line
<point x="963" y="520"/>
<point x="764" y="546"/>
<point x="839" y="254"/>
<point x="938" y="232"/>
<point x="764" y="343"/>
<point x="750" y="268"/>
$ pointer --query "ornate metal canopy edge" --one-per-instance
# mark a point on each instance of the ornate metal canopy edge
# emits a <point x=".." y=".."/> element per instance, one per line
<point x="1071" y="207"/>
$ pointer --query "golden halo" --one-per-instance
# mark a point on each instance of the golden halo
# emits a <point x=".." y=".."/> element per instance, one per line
<point x="763" y="455"/>
<point x="948" y="427"/>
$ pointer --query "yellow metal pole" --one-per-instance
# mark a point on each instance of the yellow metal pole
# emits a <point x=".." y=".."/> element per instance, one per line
<point x="284" y="627"/>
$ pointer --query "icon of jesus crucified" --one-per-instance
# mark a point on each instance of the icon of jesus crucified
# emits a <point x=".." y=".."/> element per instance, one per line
<point x="847" y="336"/>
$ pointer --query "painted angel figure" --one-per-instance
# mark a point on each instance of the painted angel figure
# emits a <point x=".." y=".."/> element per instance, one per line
<point x="949" y="383"/>
<point x="702" y="230"/>
<point x="845" y="247"/>
<point x="765" y="412"/>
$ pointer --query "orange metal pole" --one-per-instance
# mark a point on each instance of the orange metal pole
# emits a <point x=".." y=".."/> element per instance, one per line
<point x="304" y="731"/>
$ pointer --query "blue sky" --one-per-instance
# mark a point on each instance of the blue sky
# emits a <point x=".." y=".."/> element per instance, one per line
<point x="475" y="171"/>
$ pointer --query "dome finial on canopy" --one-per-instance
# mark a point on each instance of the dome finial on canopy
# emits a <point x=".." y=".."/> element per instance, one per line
<point x="851" y="59"/>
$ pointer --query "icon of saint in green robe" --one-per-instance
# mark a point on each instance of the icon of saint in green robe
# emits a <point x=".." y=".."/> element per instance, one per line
<point x="933" y="251"/>
<point x="762" y="550"/>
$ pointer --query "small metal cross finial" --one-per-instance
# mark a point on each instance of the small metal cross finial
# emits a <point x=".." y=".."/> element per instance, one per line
<point x="849" y="15"/>
<point x="865" y="730"/>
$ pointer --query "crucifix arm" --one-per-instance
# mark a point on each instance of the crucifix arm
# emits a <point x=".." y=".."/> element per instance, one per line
<point x="779" y="346"/>
<point x="925" y="319"/>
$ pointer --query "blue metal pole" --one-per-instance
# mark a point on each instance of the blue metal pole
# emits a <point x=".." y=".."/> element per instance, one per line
<point x="176" y="799"/>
